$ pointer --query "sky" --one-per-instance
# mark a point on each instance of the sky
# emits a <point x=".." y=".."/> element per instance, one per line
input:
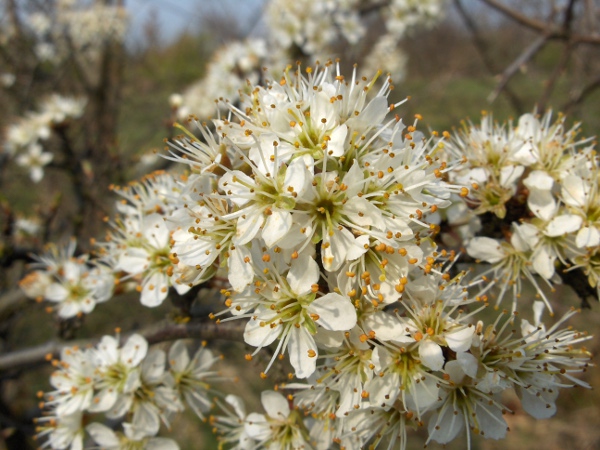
<point x="177" y="16"/>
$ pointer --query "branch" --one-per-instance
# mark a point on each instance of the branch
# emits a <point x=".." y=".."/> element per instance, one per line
<point x="370" y="7"/>
<point x="551" y="82"/>
<point x="523" y="58"/>
<point x="204" y="330"/>
<point x="542" y="27"/>
<point x="577" y="99"/>
<point x="568" y="20"/>
<point x="11" y="302"/>
<point x="524" y="20"/>
<point x="482" y="49"/>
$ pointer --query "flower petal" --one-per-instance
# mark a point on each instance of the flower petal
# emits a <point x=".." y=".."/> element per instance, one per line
<point x="276" y="405"/>
<point x="335" y="312"/>
<point x="303" y="274"/>
<point x="277" y="226"/>
<point x="431" y="355"/>
<point x="302" y="351"/>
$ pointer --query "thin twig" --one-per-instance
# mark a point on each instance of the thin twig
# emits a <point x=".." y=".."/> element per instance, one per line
<point x="483" y="50"/>
<point x="534" y="24"/>
<point x="542" y="27"/>
<point x="522" y="59"/>
<point x="551" y="82"/>
<point x="204" y="330"/>
<point x="568" y="20"/>
<point x="580" y="97"/>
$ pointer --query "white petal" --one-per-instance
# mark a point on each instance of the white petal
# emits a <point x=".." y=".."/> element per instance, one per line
<point x="162" y="444"/>
<point x="540" y="406"/>
<point x="486" y="249"/>
<point x="468" y="363"/>
<point x="588" y="237"/>
<point x="423" y="394"/>
<point x="375" y="111"/>
<point x="108" y="352"/>
<point x="258" y="336"/>
<point x="238" y="405"/>
<point x="296" y="177"/>
<point x="104" y="400"/>
<point x="276" y="405"/>
<point x="236" y="191"/>
<point x="386" y="326"/>
<point x="155" y="289"/>
<point x="538" y="309"/>
<point x="335" y="312"/>
<point x="36" y="174"/>
<point x="540" y="180"/>
<point x="102" y="435"/>
<point x="524" y="236"/>
<point x="241" y="273"/>
<point x="561" y="225"/>
<point x="303" y="273"/>
<point x="156" y="231"/>
<point x="541" y="203"/>
<point x="491" y="423"/>
<point x="178" y="356"/>
<point x="354" y="179"/>
<point x="445" y="427"/>
<point x="134" y="350"/>
<point x="277" y="226"/>
<point x="153" y="366"/>
<point x="362" y="212"/>
<point x="574" y="191"/>
<point x="56" y="293"/>
<point x="248" y="226"/>
<point x="69" y="309"/>
<point x="301" y="346"/>
<point x="460" y="340"/>
<point x="257" y="427"/>
<point x="73" y="271"/>
<point x="509" y="175"/>
<point x="431" y="355"/>
<point x="134" y="260"/>
<point x="543" y="263"/>
<point x="145" y="418"/>
<point x="337" y="140"/>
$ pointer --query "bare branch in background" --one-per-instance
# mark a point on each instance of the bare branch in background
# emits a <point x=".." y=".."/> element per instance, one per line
<point x="559" y="69"/>
<point x="578" y="97"/>
<point x="550" y="29"/>
<point x="527" y="54"/>
<point x="484" y="54"/>
<point x="201" y="330"/>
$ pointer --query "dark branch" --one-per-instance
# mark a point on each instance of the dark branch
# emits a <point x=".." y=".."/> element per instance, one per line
<point x="484" y="54"/>
<point x="522" y="59"/>
<point x="203" y="330"/>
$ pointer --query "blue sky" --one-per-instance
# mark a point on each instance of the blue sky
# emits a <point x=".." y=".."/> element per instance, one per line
<point x="177" y="16"/>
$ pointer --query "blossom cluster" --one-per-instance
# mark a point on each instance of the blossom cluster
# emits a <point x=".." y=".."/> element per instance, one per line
<point x="234" y="66"/>
<point x="128" y="382"/>
<point x="322" y="211"/>
<point x="74" y="284"/>
<point x="71" y="29"/>
<point x="426" y="364"/>
<point x="300" y="194"/>
<point x="23" y="139"/>
<point x="541" y="183"/>
<point x="303" y="29"/>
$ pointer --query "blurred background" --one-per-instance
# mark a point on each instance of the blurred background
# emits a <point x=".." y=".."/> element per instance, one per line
<point x="143" y="66"/>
